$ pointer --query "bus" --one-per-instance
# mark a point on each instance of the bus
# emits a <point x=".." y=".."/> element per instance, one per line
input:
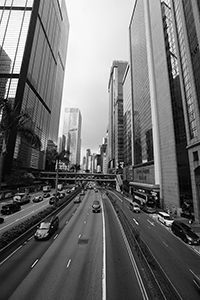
<point x="147" y="202"/>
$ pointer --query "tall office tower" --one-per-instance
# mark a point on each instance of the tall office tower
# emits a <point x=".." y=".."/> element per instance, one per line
<point x="87" y="162"/>
<point x="33" y="40"/>
<point x="115" y="126"/>
<point x="186" y="16"/>
<point x="72" y="123"/>
<point x="164" y="39"/>
<point x="128" y="125"/>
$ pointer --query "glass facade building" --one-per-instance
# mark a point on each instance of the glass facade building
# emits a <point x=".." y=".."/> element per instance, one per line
<point x="177" y="102"/>
<point x="143" y="143"/>
<point x="72" y="123"/>
<point x="165" y="74"/>
<point x="115" y="128"/>
<point x="32" y="64"/>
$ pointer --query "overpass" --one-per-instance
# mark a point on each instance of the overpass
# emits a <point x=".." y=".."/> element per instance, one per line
<point x="78" y="177"/>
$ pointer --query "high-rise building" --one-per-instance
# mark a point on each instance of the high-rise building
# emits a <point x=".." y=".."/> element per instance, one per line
<point x="72" y="123"/>
<point x="115" y="127"/>
<point x="164" y="59"/>
<point x="33" y="45"/>
<point x="128" y="125"/>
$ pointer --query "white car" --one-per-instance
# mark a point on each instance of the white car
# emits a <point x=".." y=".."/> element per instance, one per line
<point x="135" y="207"/>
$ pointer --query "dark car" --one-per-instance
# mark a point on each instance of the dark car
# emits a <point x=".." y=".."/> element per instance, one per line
<point x="47" y="228"/>
<point x="1" y="220"/>
<point x="37" y="199"/>
<point x="46" y="195"/>
<point x="62" y="195"/>
<point x="185" y="232"/>
<point x="96" y="206"/>
<point x="82" y="193"/>
<point x="10" y="208"/>
<point x="52" y="200"/>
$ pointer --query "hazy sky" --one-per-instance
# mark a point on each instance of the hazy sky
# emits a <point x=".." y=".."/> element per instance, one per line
<point x="98" y="35"/>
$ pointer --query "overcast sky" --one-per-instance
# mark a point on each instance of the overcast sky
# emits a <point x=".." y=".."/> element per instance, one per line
<point x="98" y="35"/>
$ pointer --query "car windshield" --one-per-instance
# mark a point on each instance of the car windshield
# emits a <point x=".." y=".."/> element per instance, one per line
<point x="96" y="202"/>
<point x="44" y="226"/>
<point x="168" y="218"/>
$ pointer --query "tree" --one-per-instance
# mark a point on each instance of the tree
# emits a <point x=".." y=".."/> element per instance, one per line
<point x="11" y="122"/>
<point x="56" y="158"/>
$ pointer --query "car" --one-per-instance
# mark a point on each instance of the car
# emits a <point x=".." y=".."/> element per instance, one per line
<point x="61" y="195"/>
<point x="96" y="206"/>
<point x="47" y="228"/>
<point x="185" y="232"/>
<point x="1" y="220"/>
<point x="77" y="199"/>
<point x="37" y="199"/>
<point x="135" y="207"/>
<point x="58" y="194"/>
<point x="52" y="200"/>
<point x="21" y="198"/>
<point x="165" y="218"/>
<point x="82" y="193"/>
<point x="46" y="195"/>
<point x="10" y="208"/>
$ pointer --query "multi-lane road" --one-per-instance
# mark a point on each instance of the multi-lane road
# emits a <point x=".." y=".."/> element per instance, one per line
<point x="87" y="258"/>
<point x="174" y="256"/>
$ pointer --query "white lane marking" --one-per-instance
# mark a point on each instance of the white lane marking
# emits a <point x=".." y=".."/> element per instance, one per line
<point x="69" y="262"/>
<point x="136" y="222"/>
<point x="35" y="262"/>
<point x="10" y="255"/>
<point x="55" y="236"/>
<point x="104" y="257"/>
<point x="152" y="223"/>
<point x="165" y="244"/>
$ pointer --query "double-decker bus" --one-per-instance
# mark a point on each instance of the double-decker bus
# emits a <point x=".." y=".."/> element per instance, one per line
<point x="147" y="202"/>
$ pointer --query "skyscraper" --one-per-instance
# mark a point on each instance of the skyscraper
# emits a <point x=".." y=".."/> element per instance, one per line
<point x="115" y="152"/>
<point x="32" y="65"/>
<point x="128" y="124"/>
<point x="72" y="123"/>
<point x="165" y="58"/>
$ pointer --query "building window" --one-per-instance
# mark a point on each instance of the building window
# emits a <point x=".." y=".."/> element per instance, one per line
<point x="195" y="156"/>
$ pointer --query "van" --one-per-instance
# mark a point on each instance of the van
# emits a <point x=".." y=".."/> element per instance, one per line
<point x="134" y="206"/>
<point x="21" y="198"/>
<point x="165" y="218"/>
<point x="185" y="232"/>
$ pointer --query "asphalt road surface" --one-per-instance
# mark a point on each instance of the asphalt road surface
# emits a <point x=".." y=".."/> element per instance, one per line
<point x="87" y="258"/>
